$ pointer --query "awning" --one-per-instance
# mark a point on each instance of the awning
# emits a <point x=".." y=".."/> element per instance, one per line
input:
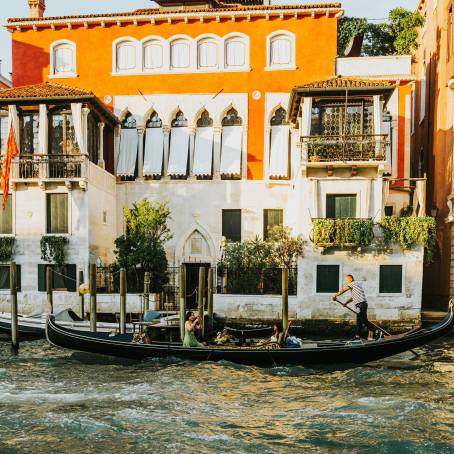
<point x="232" y="140"/>
<point x="203" y="154"/>
<point x="279" y="152"/>
<point x="153" y="153"/>
<point x="179" y="148"/>
<point x="129" y="141"/>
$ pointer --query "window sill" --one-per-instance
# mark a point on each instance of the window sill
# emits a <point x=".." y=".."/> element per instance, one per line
<point x="65" y="235"/>
<point x="179" y="71"/>
<point x="63" y="76"/>
<point x="7" y="235"/>
<point x="389" y="295"/>
<point x="280" y="68"/>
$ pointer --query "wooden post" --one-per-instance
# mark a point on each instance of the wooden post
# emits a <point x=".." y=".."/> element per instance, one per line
<point x="50" y="297"/>
<point x="93" y="305"/>
<point x="122" y="301"/>
<point x="182" y="292"/>
<point x="284" y="298"/>
<point x="210" y="300"/>
<point x="14" y="324"/>
<point x="200" y="299"/>
<point x="81" y="296"/>
<point x="146" y="293"/>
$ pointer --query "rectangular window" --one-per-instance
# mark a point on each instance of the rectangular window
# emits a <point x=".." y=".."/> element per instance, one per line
<point x="64" y="278"/>
<point x="231" y="225"/>
<point x="29" y="134"/>
<point x="271" y="218"/>
<point x="327" y="278"/>
<point x="340" y="206"/>
<point x="390" y="279"/>
<point x="57" y="213"/>
<point x="6" y="218"/>
<point x="389" y="210"/>
<point x="4" y="277"/>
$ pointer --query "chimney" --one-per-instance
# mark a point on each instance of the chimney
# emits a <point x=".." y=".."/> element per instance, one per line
<point x="37" y="7"/>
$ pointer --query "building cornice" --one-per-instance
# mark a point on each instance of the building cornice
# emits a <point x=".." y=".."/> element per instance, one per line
<point x="163" y="15"/>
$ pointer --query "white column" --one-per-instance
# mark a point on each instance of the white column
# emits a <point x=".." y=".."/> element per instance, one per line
<point x="192" y="131"/>
<point x="244" y="153"/>
<point x="85" y="112"/>
<point x="141" y="133"/>
<point x="377" y="115"/>
<point x="267" y="152"/>
<point x="217" y="133"/>
<point x="166" y="131"/>
<point x="43" y="129"/>
<point x="101" y="162"/>
<point x="295" y="156"/>
<point x="306" y="120"/>
<point x="117" y="132"/>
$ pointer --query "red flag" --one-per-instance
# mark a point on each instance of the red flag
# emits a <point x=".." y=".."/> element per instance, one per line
<point x="11" y="151"/>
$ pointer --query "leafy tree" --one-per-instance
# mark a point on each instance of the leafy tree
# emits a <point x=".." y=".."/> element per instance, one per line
<point x="397" y="36"/>
<point x="286" y="249"/>
<point x="141" y="248"/>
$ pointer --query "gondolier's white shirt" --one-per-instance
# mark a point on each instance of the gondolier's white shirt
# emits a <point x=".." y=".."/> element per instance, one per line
<point x="357" y="291"/>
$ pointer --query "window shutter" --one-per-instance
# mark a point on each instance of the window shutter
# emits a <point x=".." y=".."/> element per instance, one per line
<point x="57" y="213"/>
<point x="63" y="59"/>
<point x="208" y="54"/>
<point x="153" y="55"/>
<point x="231" y="224"/>
<point x="6" y="218"/>
<point x="41" y="277"/>
<point x="71" y="278"/>
<point x="235" y="53"/>
<point x="126" y="56"/>
<point x="280" y="51"/>
<point x="390" y="279"/>
<point x="327" y="278"/>
<point x="180" y="54"/>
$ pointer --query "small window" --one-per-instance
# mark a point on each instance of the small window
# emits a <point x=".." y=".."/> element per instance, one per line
<point x="390" y="279"/>
<point x="64" y="59"/>
<point x="3" y="133"/>
<point x="232" y="118"/>
<point x="154" y="121"/>
<point x="153" y="55"/>
<point x="271" y="218"/>
<point x="64" y="278"/>
<point x="126" y="56"/>
<point x="180" y="120"/>
<point x="207" y="52"/>
<point x="4" y="277"/>
<point x="57" y="213"/>
<point x="389" y="210"/>
<point x="341" y="206"/>
<point x="281" y="51"/>
<point x="327" y="278"/>
<point x="6" y="218"/>
<point x="235" y="53"/>
<point x="104" y="217"/>
<point x="29" y="133"/>
<point x="204" y="121"/>
<point x="62" y="136"/>
<point x="231" y="225"/>
<point x="180" y="51"/>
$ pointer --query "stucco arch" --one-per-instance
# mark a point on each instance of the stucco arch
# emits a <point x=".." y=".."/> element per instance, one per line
<point x="196" y="227"/>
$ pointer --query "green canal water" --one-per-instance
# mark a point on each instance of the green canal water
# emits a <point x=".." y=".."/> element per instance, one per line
<point x="55" y="401"/>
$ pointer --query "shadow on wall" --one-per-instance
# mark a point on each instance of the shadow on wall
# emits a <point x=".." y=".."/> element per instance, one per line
<point x="29" y="64"/>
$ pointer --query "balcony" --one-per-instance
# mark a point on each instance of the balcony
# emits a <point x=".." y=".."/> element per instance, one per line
<point x="50" y="168"/>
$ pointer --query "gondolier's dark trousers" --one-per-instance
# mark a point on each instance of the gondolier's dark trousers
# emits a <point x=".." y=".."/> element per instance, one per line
<point x="362" y="323"/>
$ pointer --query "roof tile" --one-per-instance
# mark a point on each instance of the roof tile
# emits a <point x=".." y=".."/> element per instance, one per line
<point x="347" y="82"/>
<point x="44" y="90"/>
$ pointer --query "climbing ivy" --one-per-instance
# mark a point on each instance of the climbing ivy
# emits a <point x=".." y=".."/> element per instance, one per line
<point x="53" y="249"/>
<point x="7" y="248"/>
<point x="343" y="232"/>
<point x="411" y="230"/>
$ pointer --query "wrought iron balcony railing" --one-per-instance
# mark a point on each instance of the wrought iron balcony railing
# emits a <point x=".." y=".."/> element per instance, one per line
<point x="370" y="147"/>
<point x="58" y="167"/>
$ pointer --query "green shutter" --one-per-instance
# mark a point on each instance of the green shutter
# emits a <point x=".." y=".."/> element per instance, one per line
<point x="271" y="218"/>
<point x="390" y="279"/>
<point x="42" y="278"/>
<point x="5" y="276"/>
<point x="327" y="278"/>
<point x="6" y="218"/>
<point x="57" y="213"/>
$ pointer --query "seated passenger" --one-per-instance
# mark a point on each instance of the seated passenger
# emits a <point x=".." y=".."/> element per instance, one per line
<point x="191" y="323"/>
<point x="276" y="336"/>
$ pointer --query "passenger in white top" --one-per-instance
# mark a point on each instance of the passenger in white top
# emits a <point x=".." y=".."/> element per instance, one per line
<point x="358" y="297"/>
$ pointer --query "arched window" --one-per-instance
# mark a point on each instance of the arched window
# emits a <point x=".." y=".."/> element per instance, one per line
<point x="62" y="136"/>
<point x="179" y="146"/>
<point x="180" y="54"/>
<point x="126" y="55"/>
<point x="281" y="50"/>
<point x="180" y="120"/>
<point x="154" y="147"/>
<point x="231" y="118"/>
<point x="236" y="53"/>
<point x="204" y="120"/>
<point x="207" y="54"/>
<point x="63" y="61"/>
<point x="129" y="142"/>
<point x="129" y="122"/>
<point x="153" y="55"/>
<point x="279" y="157"/>
<point x="203" y="148"/>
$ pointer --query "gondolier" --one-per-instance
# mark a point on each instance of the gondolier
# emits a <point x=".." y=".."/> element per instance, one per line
<point x="358" y="298"/>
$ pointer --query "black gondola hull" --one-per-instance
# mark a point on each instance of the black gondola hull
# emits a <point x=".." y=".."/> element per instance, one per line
<point x="324" y="354"/>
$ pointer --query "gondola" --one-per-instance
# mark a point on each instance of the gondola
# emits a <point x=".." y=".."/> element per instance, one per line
<point x="311" y="353"/>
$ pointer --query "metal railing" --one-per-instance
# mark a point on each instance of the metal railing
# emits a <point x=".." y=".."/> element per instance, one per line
<point x="369" y="147"/>
<point x="61" y="166"/>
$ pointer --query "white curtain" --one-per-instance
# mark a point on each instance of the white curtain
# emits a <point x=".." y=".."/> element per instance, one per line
<point x="179" y="53"/>
<point x="235" y="51"/>
<point x="13" y="120"/>
<point x="78" y="121"/>
<point x="279" y="151"/>
<point x="203" y="155"/>
<point x="129" y="141"/>
<point x="154" y="149"/>
<point x="179" y="151"/>
<point x="306" y="119"/>
<point x="281" y="51"/>
<point x="419" y="191"/>
<point x="385" y="194"/>
<point x="232" y="140"/>
<point x="126" y="56"/>
<point x="42" y="133"/>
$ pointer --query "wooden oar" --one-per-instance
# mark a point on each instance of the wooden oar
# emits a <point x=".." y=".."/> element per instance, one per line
<point x="372" y="323"/>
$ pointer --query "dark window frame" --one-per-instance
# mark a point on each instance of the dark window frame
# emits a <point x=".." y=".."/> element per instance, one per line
<point x="4" y="282"/>
<point x="225" y="233"/>
<point x="318" y="285"/>
<point x="330" y="205"/>
<point x="70" y="281"/>
<point x="49" y="229"/>
<point x="27" y="130"/>
<point x="68" y="135"/>
<point x="382" y="290"/>
<point x="266" y="224"/>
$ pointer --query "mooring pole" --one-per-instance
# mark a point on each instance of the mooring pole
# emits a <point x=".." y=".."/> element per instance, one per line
<point x="182" y="292"/>
<point x="50" y="297"/>
<point x="200" y="299"/>
<point x="81" y="295"/>
<point x="122" y="301"/>
<point x="210" y="300"/>
<point x="146" y="293"/>
<point x="285" y="298"/>
<point x="14" y="324"/>
<point x="93" y="305"/>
